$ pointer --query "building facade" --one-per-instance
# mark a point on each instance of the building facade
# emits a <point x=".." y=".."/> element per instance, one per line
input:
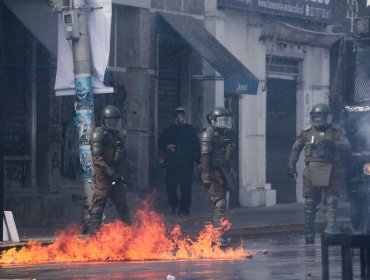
<point x="157" y="63"/>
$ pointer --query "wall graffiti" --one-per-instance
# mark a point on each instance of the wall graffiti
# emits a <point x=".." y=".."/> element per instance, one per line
<point x="55" y="141"/>
<point x="15" y="173"/>
<point x="55" y="135"/>
<point x="55" y="115"/>
<point x="13" y="141"/>
<point x="55" y="162"/>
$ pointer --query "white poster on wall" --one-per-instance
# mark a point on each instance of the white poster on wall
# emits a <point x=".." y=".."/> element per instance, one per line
<point x="99" y="27"/>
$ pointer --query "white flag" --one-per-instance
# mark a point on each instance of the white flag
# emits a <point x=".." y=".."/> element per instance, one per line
<point x="99" y="26"/>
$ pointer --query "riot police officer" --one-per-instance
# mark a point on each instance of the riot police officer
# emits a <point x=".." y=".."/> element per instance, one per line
<point x="323" y="175"/>
<point x="108" y="150"/>
<point x="217" y="147"/>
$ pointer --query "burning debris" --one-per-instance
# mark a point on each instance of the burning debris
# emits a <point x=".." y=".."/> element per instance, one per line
<point x="148" y="238"/>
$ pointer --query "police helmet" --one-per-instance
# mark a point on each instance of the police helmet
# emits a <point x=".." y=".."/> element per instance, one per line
<point x="320" y="115"/>
<point x="110" y="117"/>
<point x="219" y="117"/>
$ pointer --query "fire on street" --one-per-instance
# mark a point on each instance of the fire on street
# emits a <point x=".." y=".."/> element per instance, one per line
<point x="280" y="257"/>
<point x="147" y="239"/>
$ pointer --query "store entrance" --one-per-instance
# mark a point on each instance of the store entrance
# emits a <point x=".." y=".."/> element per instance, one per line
<point x="280" y="135"/>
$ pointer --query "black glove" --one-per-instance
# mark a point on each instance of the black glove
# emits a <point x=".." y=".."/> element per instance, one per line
<point x="292" y="173"/>
<point x="117" y="180"/>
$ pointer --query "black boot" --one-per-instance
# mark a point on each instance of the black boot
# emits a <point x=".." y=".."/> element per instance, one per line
<point x="96" y="218"/>
<point x="331" y="214"/>
<point x="124" y="215"/>
<point x="219" y="210"/>
<point x="309" y="220"/>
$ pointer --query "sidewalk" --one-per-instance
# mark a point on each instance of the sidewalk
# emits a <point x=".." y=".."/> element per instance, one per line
<point x="281" y="218"/>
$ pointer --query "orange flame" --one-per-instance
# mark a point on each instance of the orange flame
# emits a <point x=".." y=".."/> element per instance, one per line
<point x="366" y="169"/>
<point x="146" y="239"/>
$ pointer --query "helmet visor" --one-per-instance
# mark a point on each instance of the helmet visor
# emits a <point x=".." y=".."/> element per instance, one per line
<point x="113" y="123"/>
<point x="320" y="119"/>
<point x="223" y="122"/>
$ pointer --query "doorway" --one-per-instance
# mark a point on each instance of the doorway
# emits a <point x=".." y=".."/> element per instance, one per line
<point x="280" y="135"/>
<point x="173" y="84"/>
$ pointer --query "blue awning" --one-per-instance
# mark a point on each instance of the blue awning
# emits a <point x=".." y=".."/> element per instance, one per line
<point x="238" y="78"/>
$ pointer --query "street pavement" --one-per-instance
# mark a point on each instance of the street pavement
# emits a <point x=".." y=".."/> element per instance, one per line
<point x="246" y="222"/>
<point x="280" y="218"/>
<point x="272" y="234"/>
<point x="273" y="257"/>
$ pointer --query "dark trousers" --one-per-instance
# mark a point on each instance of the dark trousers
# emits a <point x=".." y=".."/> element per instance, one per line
<point x="103" y="190"/>
<point x="179" y="176"/>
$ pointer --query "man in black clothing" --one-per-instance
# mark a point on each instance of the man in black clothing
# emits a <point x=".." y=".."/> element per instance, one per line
<point x="180" y="142"/>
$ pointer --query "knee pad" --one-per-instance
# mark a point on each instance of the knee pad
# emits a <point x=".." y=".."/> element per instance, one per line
<point x="97" y="210"/>
<point x="221" y="203"/>
<point x="310" y="202"/>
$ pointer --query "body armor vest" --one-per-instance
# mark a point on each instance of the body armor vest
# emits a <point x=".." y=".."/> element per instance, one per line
<point x="109" y="145"/>
<point x="221" y="148"/>
<point x="315" y="148"/>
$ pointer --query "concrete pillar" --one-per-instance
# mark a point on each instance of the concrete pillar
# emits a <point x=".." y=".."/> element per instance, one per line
<point x="242" y="36"/>
<point x="232" y="29"/>
<point x="132" y="65"/>
<point x="213" y="89"/>
<point x="139" y="85"/>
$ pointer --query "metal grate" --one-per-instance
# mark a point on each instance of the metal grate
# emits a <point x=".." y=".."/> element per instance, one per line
<point x="283" y="65"/>
<point x="362" y="26"/>
<point x="362" y="74"/>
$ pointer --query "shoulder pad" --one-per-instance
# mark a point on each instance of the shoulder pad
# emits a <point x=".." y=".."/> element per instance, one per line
<point x="207" y="134"/>
<point x="97" y="142"/>
<point x="337" y="127"/>
<point x="210" y="129"/>
<point x="307" y="127"/>
<point x="97" y="134"/>
<point x="99" y="128"/>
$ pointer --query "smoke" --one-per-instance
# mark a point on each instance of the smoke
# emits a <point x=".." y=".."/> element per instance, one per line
<point x="357" y="126"/>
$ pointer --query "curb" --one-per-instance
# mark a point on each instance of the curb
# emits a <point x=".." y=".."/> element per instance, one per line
<point x="283" y="228"/>
<point x="6" y="246"/>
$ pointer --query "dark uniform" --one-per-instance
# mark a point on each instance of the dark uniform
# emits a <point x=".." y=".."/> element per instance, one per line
<point x="217" y="148"/>
<point x="323" y="145"/>
<point x="108" y="149"/>
<point x="181" y="145"/>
